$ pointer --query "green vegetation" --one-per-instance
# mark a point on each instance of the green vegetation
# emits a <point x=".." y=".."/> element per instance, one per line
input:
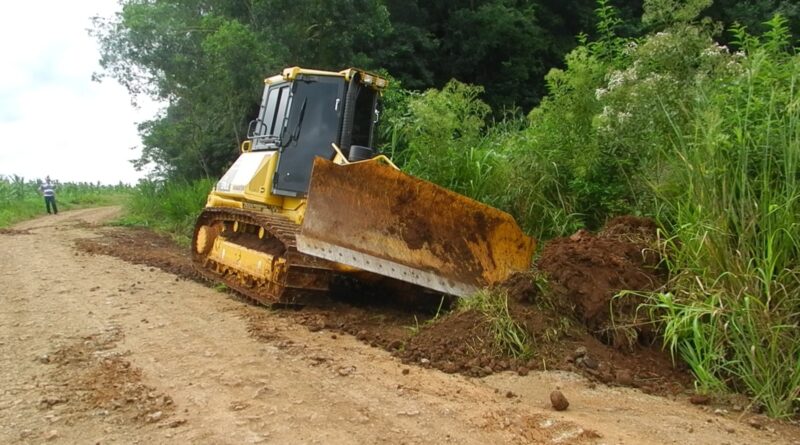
<point x="207" y="58"/>
<point x="509" y="337"/>
<point x="673" y="115"/>
<point x="704" y="138"/>
<point x="21" y="200"/>
<point x="167" y="206"/>
<point x="732" y="209"/>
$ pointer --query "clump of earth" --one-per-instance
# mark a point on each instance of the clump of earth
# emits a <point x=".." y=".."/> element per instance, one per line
<point x="573" y="308"/>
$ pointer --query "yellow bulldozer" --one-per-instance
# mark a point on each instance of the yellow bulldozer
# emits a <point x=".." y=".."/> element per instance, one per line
<point x="309" y="200"/>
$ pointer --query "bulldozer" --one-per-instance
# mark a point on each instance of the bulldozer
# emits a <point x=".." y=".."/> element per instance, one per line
<point x="309" y="200"/>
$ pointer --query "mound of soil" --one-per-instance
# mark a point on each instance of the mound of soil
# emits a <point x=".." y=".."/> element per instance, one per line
<point x="459" y="342"/>
<point x="589" y="270"/>
<point x="463" y="342"/>
<point x="570" y="323"/>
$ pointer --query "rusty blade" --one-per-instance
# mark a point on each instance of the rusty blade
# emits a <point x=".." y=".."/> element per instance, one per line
<point x="373" y="217"/>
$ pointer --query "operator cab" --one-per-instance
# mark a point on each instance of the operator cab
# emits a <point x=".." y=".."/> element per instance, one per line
<point x="303" y="112"/>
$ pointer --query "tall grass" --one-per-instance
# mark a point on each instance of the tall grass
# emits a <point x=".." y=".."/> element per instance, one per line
<point x="443" y="136"/>
<point x="732" y="205"/>
<point x="508" y="336"/>
<point x="20" y="199"/>
<point x="671" y="125"/>
<point x="439" y="135"/>
<point x="168" y="206"/>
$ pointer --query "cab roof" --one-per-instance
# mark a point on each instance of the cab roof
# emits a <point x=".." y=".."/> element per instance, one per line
<point x="366" y="78"/>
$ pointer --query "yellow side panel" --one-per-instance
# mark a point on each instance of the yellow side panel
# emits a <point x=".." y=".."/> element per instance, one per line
<point x="259" y="188"/>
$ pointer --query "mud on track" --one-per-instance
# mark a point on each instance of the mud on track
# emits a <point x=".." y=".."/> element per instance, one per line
<point x="96" y="349"/>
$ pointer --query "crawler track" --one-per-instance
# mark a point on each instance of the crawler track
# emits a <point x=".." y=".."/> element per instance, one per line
<point x="295" y="278"/>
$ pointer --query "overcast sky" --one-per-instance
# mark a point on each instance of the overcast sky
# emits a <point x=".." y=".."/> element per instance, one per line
<point x="53" y="119"/>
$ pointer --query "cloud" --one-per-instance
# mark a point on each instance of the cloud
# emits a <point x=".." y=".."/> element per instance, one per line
<point x="53" y="119"/>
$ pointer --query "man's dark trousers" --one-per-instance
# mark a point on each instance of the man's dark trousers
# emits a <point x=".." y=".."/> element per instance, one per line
<point x="51" y="200"/>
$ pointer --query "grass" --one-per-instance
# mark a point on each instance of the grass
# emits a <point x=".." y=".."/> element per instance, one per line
<point x="416" y="327"/>
<point x="733" y="209"/>
<point x="20" y="199"/>
<point x="168" y="207"/>
<point x="508" y="336"/>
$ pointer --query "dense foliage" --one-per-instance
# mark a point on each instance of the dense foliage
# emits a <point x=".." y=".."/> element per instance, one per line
<point x="20" y="199"/>
<point x="206" y="58"/>
<point x="704" y="137"/>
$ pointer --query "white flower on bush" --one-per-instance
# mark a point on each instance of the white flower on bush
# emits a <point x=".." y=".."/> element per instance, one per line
<point x="715" y="50"/>
<point x="630" y="48"/>
<point x="654" y="79"/>
<point x="599" y="93"/>
<point x="617" y="78"/>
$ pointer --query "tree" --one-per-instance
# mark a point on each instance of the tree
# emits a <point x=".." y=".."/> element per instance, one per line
<point x="207" y="60"/>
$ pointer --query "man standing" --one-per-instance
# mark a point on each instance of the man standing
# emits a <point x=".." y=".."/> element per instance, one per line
<point x="48" y="189"/>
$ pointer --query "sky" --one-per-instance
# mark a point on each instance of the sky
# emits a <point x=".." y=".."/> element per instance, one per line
<point x="54" y="120"/>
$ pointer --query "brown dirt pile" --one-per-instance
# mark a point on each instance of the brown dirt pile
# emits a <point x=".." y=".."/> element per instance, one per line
<point x="568" y="320"/>
<point x="589" y="270"/>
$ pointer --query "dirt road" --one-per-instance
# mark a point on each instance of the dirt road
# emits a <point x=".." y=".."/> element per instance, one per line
<point x="97" y="350"/>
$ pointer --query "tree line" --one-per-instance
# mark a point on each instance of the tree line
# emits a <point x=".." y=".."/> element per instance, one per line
<point x="205" y="59"/>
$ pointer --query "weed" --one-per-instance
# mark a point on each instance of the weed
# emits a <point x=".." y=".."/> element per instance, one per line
<point x="509" y="337"/>
<point x="416" y="327"/>
<point x="221" y="287"/>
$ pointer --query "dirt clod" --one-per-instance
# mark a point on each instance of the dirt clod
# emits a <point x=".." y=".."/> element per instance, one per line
<point x="177" y="423"/>
<point x="558" y="401"/>
<point x="700" y="399"/>
<point x="590" y="362"/>
<point x="623" y="377"/>
<point x="580" y="352"/>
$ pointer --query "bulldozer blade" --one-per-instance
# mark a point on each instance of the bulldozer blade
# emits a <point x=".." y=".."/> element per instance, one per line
<point x="373" y="217"/>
